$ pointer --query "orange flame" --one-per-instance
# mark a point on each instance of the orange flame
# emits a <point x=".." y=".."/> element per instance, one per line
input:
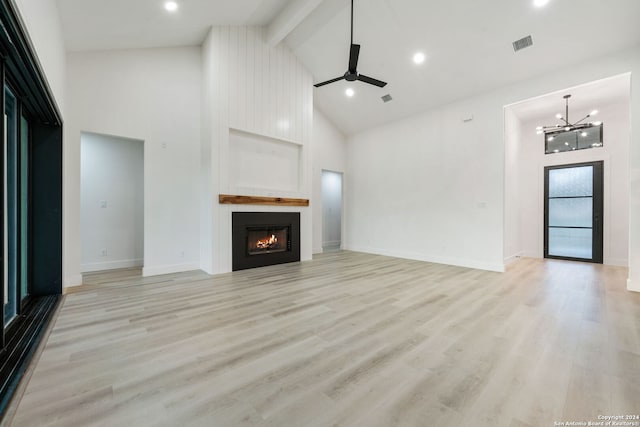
<point x="267" y="243"/>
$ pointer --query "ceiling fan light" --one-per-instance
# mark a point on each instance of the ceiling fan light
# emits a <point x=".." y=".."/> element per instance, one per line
<point x="419" y="58"/>
<point x="349" y="92"/>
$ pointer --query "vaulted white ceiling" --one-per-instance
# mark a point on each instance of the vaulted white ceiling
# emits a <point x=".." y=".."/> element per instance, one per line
<point x="467" y="42"/>
<point x="128" y="24"/>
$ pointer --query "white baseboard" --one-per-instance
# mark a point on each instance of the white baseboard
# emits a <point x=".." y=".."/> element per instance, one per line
<point x="513" y="258"/>
<point x="531" y="255"/>
<point x="168" y="269"/>
<point x="479" y="265"/>
<point x="111" y="265"/>
<point x="71" y="281"/>
<point x="617" y="262"/>
<point x="316" y="250"/>
<point x="633" y="286"/>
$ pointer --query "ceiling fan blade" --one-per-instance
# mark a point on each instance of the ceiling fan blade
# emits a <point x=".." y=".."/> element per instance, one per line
<point x="371" y="81"/>
<point x="353" y="58"/>
<point x="337" y="79"/>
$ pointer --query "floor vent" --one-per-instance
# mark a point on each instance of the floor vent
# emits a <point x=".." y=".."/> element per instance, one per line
<point x="522" y="43"/>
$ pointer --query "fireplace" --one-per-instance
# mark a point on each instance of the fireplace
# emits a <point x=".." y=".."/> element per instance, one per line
<point x="264" y="238"/>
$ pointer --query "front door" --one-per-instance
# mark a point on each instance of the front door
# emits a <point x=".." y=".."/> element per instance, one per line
<point x="573" y="212"/>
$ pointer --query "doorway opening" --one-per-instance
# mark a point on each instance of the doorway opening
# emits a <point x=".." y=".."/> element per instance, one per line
<point x="331" y="210"/>
<point x="573" y="209"/>
<point x="112" y="202"/>
<point x="527" y="157"/>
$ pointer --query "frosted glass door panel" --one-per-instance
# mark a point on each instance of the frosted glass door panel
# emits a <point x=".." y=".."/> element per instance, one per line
<point x="571" y="212"/>
<point x="571" y="182"/>
<point x="571" y="242"/>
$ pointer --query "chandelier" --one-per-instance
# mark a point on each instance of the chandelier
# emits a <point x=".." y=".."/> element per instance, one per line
<point x="566" y="125"/>
<point x="568" y="136"/>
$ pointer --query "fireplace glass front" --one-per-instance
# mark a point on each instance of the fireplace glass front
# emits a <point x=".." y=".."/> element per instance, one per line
<point x="264" y="238"/>
<point x="267" y="240"/>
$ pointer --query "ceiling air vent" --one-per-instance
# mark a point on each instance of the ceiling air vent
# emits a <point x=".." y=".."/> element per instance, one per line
<point x="522" y="43"/>
<point x="387" y="98"/>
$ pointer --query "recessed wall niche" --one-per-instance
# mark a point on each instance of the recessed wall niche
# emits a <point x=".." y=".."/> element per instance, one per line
<point x="260" y="162"/>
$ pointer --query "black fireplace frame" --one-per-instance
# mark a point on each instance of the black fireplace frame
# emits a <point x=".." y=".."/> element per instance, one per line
<point x="240" y="223"/>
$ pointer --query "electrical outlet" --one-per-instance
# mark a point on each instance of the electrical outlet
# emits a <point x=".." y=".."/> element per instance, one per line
<point x="104" y="252"/>
<point x="103" y="204"/>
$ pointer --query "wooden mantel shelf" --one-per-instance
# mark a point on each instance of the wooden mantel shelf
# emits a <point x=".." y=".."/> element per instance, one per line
<point x="228" y="199"/>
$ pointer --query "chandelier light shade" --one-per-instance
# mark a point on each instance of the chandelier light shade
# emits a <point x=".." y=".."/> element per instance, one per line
<point x="570" y="136"/>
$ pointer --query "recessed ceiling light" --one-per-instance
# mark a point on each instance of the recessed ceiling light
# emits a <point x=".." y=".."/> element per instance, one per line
<point x="419" y="58"/>
<point x="594" y="112"/>
<point x="558" y="116"/>
<point x="540" y="3"/>
<point x="349" y="92"/>
<point x="171" y="6"/>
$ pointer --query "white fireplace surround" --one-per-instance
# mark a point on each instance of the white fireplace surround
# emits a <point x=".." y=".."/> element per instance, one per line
<point x="257" y="133"/>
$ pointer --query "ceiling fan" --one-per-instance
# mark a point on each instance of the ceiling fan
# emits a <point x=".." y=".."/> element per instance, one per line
<point x="352" y="73"/>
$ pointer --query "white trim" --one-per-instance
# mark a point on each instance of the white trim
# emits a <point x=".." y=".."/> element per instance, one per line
<point x="500" y="268"/>
<point x="75" y="280"/>
<point x="633" y="287"/>
<point x="111" y="265"/>
<point x="618" y="262"/>
<point x="512" y="258"/>
<point x="168" y="269"/>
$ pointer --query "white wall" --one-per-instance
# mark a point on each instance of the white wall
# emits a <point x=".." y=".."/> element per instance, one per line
<point x="262" y="91"/>
<point x="152" y="95"/>
<point x="42" y="21"/>
<point x="429" y="187"/>
<point x="530" y="175"/>
<point x="112" y="202"/>
<point x="432" y="187"/>
<point x="329" y="153"/>
<point x="512" y="223"/>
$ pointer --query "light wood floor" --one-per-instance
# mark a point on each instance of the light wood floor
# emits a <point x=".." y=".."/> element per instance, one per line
<point x="347" y="339"/>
